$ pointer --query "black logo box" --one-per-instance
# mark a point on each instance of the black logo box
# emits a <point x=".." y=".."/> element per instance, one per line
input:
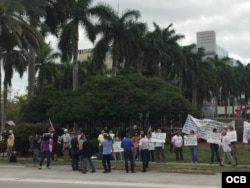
<point x="242" y="179"/>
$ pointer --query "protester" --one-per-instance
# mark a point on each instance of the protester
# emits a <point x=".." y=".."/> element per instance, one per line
<point x="46" y="141"/>
<point x="214" y="150"/>
<point x="66" y="141"/>
<point x="10" y="143"/>
<point x="100" y="139"/>
<point x="55" y="147"/>
<point x="87" y="152"/>
<point x="143" y="147"/>
<point x="159" y="149"/>
<point x="107" y="150"/>
<point x="127" y="145"/>
<point x="177" y="142"/>
<point x="173" y="132"/>
<point x="117" y="155"/>
<point x="226" y="150"/>
<point x="233" y="141"/>
<point x="194" y="149"/>
<point x="74" y="152"/>
<point x="36" y="147"/>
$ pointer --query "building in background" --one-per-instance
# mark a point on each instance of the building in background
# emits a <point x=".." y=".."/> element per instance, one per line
<point x="207" y="40"/>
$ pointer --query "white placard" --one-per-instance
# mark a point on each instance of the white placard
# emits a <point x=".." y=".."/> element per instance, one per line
<point x="246" y="131"/>
<point x="158" y="137"/>
<point x="190" y="140"/>
<point x="232" y="135"/>
<point x="214" y="138"/>
<point x="117" y="147"/>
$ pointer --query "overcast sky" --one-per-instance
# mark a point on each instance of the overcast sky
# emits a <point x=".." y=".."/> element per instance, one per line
<point x="228" y="18"/>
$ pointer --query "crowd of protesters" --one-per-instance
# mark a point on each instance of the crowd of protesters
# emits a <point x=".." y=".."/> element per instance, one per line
<point x="135" y="145"/>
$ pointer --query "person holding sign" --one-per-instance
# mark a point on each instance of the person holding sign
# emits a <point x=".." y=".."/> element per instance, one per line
<point x="214" y="147"/>
<point x="226" y="149"/>
<point x="233" y="139"/>
<point x="177" y="142"/>
<point x="159" y="149"/>
<point x="194" y="148"/>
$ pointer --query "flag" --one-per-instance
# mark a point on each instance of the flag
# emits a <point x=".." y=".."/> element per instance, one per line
<point x="51" y="127"/>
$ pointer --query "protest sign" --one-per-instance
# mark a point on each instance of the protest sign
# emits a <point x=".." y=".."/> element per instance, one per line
<point x="158" y="137"/>
<point x="190" y="140"/>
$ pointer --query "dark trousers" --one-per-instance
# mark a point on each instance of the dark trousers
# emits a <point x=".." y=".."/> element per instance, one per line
<point x="74" y="161"/>
<point x="144" y="159"/>
<point x="214" y="151"/>
<point x="128" y="156"/>
<point x="106" y="162"/>
<point x="178" y="153"/>
<point x="46" y="154"/>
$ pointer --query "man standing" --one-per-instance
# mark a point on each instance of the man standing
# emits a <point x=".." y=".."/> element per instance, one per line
<point x="66" y="142"/>
<point x="127" y="145"/>
<point x="143" y="147"/>
<point x="87" y="152"/>
<point x="177" y="142"/>
<point x="214" y="150"/>
<point x="10" y="143"/>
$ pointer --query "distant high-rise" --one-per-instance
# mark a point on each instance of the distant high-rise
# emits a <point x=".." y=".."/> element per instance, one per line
<point x="207" y="40"/>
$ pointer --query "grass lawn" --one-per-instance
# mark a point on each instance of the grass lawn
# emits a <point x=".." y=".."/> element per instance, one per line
<point x="203" y="166"/>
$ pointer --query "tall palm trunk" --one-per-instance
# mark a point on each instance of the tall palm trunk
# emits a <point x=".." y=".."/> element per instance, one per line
<point x="31" y="73"/>
<point x="2" y="107"/>
<point x="75" y="60"/>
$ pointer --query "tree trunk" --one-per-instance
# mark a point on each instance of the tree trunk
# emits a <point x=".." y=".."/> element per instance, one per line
<point x="31" y="73"/>
<point x="4" y="107"/>
<point x="75" y="61"/>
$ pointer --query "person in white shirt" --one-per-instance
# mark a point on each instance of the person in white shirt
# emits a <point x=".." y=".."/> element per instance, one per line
<point x="66" y="141"/>
<point x="143" y="147"/>
<point x="177" y="142"/>
<point x="226" y="149"/>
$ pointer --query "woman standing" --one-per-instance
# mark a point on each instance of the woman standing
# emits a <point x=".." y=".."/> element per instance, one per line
<point x="194" y="148"/>
<point x="46" y="141"/>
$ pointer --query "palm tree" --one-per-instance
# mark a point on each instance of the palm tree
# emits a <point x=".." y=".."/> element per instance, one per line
<point x="118" y="34"/>
<point x="16" y="33"/>
<point x="13" y="60"/>
<point x="79" y="15"/>
<point x="224" y="78"/>
<point x="45" y="66"/>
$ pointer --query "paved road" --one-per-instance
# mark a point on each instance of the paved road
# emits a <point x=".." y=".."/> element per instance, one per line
<point x="62" y="176"/>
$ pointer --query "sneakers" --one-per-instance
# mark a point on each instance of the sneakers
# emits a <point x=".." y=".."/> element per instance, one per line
<point x="40" y="167"/>
<point x="48" y="167"/>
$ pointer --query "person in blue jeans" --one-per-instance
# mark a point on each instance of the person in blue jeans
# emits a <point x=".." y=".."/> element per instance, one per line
<point x="36" y="147"/>
<point x="194" y="149"/>
<point x="88" y="151"/>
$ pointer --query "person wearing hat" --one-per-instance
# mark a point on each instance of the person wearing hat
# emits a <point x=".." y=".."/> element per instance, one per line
<point x="10" y="143"/>
<point x="66" y="140"/>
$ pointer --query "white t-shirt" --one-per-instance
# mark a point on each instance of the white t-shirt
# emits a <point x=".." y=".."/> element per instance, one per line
<point x="177" y="141"/>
